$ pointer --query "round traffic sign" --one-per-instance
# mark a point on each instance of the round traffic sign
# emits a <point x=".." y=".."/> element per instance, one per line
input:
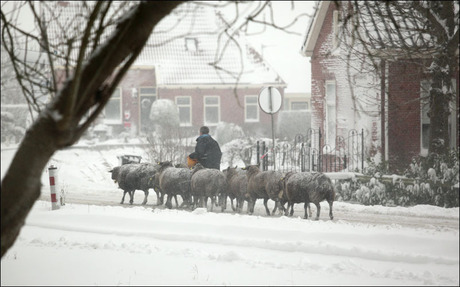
<point x="270" y="100"/>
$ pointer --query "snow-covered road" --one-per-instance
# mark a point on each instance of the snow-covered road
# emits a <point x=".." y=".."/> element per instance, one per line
<point x="93" y="240"/>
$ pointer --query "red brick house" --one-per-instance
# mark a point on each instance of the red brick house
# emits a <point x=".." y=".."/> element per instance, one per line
<point x="211" y="77"/>
<point x="387" y="108"/>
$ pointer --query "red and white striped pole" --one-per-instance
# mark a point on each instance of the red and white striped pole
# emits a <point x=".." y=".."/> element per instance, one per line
<point x="53" y="180"/>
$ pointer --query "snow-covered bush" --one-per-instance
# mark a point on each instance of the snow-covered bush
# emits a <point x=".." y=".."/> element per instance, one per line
<point x="12" y="132"/>
<point x="164" y="115"/>
<point x="238" y="151"/>
<point x="431" y="181"/>
<point x="226" y="132"/>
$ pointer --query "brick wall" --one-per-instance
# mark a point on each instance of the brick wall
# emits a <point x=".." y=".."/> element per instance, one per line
<point x="231" y="107"/>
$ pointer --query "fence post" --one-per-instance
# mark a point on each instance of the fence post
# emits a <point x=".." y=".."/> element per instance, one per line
<point x="265" y="157"/>
<point x="320" y="169"/>
<point x="302" y="158"/>
<point x="53" y="180"/>
<point x="258" y="154"/>
<point x="362" y="150"/>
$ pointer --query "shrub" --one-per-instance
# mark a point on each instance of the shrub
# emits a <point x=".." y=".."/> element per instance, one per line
<point x="428" y="180"/>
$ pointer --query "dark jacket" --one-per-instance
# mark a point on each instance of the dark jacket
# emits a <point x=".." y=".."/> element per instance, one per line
<point x="207" y="151"/>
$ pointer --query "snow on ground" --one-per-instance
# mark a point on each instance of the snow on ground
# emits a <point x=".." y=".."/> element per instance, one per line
<point x="93" y="240"/>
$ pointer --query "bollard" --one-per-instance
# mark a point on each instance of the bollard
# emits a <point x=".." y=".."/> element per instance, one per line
<point x="53" y="180"/>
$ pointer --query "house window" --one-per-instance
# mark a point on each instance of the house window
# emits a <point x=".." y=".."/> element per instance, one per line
<point x="211" y="110"/>
<point x="425" y="120"/>
<point x="336" y="27"/>
<point x="184" y="103"/>
<point x="330" y="114"/>
<point x="299" y="106"/>
<point x="112" y="110"/>
<point x="251" y="109"/>
<point x="147" y="95"/>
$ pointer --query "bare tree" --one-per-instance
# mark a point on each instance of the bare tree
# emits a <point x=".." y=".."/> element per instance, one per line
<point x="62" y="122"/>
<point x="420" y="32"/>
<point x="78" y="60"/>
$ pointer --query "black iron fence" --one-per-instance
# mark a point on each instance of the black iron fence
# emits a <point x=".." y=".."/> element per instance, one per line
<point x="307" y="153"/>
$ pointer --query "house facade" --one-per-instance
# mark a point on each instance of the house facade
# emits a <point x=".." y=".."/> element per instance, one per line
<point x="386" y="109"/>
<point x="189" y="59"/>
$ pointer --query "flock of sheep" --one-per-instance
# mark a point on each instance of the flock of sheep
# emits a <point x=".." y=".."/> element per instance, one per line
<point x="198" y="184"/>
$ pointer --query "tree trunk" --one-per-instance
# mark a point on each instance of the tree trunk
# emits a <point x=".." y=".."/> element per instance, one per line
<point x="21" y="185"/>
<point x="439" y="106"/>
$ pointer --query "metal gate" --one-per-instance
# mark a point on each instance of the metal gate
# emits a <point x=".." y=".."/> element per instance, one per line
<point x="306" y="153"/>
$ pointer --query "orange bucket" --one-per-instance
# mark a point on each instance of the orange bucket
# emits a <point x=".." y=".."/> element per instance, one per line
<point x="191" y="162"/>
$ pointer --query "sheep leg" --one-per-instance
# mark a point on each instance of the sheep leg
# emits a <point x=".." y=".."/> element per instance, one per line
<point x="159" y="199"/>
<point x="213" y="201"/>
<point x="275" y="208"/>
<point x="231" y="201"/>
<point x="309" y="209"/>
<point x="318" y="210"/>
<point x="162" y="198"/>
<point x="175" y="198"/>
<point x="266" y="206"/>
<point x="131" y="196"/>
<point x="292" y="209"/>
<point x="123" y="198"/>
<point x="204" y="202"/>
<point x="195" y="202"/>
<point x="240" y="205"/>
<point x="251" y="204"/>
<point x="146" y="193"/>
<point x="168" y="202"/>
<point x="305" y="206"/>
<point x="224" y="203"/>
<point x="330" y="209"/>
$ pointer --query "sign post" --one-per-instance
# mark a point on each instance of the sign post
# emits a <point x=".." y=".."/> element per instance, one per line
<point x="270" y="102"/>
<point x="52" y="170"/>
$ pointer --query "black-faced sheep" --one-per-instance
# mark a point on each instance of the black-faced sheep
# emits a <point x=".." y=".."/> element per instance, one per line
<point x="175" y="181"/>
<point x="134" y="176"/>
<point x="263" y="184"/>
<point x="119" y="174"/>
<point x="307" y="187"/>
<point x="237" y="187"/>
<point x="208" y="183"/>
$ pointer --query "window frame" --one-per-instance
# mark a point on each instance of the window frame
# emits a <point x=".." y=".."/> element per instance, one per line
<point x="255" y="104"/>
<point x="120" y="101"/>
<point x="333" y="105"/>
<point x="189" y="124"/>
<point x="205" y="106"/>
<point x="142" y="96"/>
<point x="293" y="103"/>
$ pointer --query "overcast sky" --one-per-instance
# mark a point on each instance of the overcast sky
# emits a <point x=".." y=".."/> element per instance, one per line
<point x="282" y="50"/>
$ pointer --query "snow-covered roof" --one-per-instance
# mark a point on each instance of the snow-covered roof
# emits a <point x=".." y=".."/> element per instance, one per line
<point x="192" y="47"/>
<point x="314" y="28"/>
<point x="189" y="47"/>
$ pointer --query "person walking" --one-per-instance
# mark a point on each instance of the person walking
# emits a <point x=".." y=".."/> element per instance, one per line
<point x="207" y="150"/>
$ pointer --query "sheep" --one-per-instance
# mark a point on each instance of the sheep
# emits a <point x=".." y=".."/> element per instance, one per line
<point x="135" y="176"/>
<point x="237" y="187"/>
<point x="297" y="191"/>
<point x="263" y="184"/>
<point x="157" y="188"/>
<point x="174" y="181"/>
<point x="307" y="187"/>
<point x="208" y="182"/>
<point x="119" y="174"/>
